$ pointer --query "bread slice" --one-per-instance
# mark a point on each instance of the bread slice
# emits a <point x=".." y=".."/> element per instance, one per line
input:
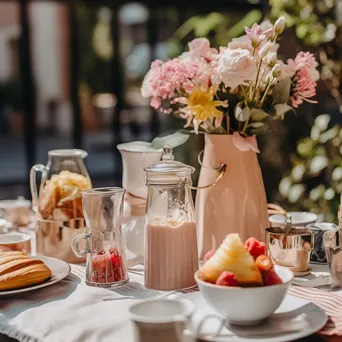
<point x="18" y="271"/>
<point x="232" y="256"/>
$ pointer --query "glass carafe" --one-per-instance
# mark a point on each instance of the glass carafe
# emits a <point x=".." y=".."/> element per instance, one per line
<point x="62" y="180"/>
<point x="105" y="248"/>
<point x="171" y="256"/>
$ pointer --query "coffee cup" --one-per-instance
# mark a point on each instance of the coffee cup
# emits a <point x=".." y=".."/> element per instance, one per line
<point x="166" y="320"/>
<point x="318" y="254"/>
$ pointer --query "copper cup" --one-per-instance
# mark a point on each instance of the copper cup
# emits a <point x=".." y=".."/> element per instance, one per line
<point x="53" y="238"/>
<point x="15" y="242"/>
<point x="291" y="250"/>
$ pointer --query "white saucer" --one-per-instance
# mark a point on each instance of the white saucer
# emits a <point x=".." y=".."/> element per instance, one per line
<point x="304" y="273"/>
<point x="298" y="218"/>
<point x="59" y="268"/>
<point x="295" y="318"/>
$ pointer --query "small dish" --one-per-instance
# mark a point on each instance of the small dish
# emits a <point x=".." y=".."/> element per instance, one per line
<point x="15" y="242"/>
<point x="298" y="218"/>
<point x="246" y="305"/>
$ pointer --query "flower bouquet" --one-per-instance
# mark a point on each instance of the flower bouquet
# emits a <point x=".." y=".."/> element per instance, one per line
<point x="232" y="94"/>
<point x="240" y="89"/>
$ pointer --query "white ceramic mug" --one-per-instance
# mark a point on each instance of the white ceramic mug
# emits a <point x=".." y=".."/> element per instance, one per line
<point x="166" y="320"/>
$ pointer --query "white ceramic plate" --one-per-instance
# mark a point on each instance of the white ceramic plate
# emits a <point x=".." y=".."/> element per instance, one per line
<point x="60" y="269"/>
<point x="292" y="311"/>
<point x="298" y="218"/>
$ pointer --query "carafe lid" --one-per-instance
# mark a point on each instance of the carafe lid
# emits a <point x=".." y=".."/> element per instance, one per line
<point x="167" y="170"/>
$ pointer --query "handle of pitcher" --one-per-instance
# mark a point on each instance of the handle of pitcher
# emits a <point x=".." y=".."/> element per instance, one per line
<point x="33" y="184"/>
<point x="74" y="245"/>
<point x="221" y="169"/>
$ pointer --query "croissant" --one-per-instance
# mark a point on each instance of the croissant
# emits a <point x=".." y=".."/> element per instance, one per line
<point x="18" y="271"/>
<point x="232" y="256"/>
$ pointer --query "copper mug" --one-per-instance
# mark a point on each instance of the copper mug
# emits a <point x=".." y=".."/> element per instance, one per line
<point x="292" y="249"/>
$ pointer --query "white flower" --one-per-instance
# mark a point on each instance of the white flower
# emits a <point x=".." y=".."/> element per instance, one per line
<point x="276" y="70"/>
<point x="236" y="67"/>
<point x="265" y="49"/>
<point x="271" y="59"/>
<point x="279" y="25"/>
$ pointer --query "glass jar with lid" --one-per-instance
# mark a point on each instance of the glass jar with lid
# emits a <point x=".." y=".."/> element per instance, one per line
<point x="171" y="256"/>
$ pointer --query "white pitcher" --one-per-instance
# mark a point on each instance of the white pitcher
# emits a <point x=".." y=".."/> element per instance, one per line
<point x="136" y="155"/>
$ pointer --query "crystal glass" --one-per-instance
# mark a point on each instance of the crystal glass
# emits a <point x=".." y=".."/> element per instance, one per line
<point x="332" y="241"/>
<point x="105" y="248"/>
<point x="170" y="230"/>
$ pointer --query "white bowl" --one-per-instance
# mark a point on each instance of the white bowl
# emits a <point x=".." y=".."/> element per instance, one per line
<point x="298" y="218"/>
<point x="246" y="305"/>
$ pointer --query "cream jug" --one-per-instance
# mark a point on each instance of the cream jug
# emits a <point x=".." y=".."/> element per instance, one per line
<point x="136" y="155"/>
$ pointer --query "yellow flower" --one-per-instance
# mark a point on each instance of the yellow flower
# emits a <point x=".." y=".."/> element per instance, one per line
<point x="202" y="105"/>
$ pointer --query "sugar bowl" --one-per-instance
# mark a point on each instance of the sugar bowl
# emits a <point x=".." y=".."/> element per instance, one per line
<point x="290" y="247"/>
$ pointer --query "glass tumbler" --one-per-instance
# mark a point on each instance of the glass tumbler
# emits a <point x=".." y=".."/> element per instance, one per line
<point x="105" y="249"/>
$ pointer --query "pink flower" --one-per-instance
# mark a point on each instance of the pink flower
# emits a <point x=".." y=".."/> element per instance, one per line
<point x="165" y="81"/>
<point x="305" y="78"/>
<point x="258" y="35"/>
<point x="243" y="42"/>
<point x="236" y="67"/>
<point x="200" y="47"/>
<point x="245" y="143"/>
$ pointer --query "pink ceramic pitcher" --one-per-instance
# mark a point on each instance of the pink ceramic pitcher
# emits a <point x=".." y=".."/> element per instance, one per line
<point x="237" y="204"/>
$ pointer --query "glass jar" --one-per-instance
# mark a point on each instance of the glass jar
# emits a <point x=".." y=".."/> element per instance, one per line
<point x="58" y="203"/>
<point x="171" y="256"/>
<point x="62" y="180"/>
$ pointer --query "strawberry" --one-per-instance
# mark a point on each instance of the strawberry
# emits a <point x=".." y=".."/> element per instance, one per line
<point x="208" y="255"/>
<point x="227" y="279"/>
<point x="270" y="278"/>
<point x="255" y="247"/>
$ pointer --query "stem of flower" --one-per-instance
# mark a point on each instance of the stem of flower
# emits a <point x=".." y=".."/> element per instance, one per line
<point x="257" y="80"/>
<point x="265" y="93"/>
<point x="245" y="125"/>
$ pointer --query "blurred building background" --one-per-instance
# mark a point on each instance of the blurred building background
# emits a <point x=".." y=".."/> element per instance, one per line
<point x="70" y="76"/>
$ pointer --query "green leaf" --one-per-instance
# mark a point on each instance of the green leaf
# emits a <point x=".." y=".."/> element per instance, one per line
<point x="302" y="30"/>
<point x="259" y="130"/>
<point x="242" y="114"/>
<point x="256" y="124"/>
<point x="175" y="139"/>
<point x="281" y="91"/>
<point x="248" y="20"/>
<point x="281" y="108"/>
<point x="258" y="114"/>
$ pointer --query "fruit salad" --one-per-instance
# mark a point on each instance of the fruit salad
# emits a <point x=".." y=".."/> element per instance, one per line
<point x="236" y="263"/>
<point x="107" y="267"/>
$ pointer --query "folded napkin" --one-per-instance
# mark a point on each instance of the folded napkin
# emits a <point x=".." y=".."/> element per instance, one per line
<point x="74" y="312"/>
<point x="330" y="302"/>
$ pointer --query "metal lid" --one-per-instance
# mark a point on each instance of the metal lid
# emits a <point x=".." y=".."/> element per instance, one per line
<point x="168" y="171"/>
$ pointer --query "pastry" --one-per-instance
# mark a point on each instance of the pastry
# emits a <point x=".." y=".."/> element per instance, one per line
<point x="232" y="256"/>
<point x="63" y="193"/>
<point x="17" y="271"/>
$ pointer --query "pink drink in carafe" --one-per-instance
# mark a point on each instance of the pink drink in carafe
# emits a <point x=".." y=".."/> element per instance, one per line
<point x="171" y="255"/>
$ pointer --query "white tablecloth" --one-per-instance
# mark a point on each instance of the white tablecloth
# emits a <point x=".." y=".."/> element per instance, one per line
<point x="72" y="311"/>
